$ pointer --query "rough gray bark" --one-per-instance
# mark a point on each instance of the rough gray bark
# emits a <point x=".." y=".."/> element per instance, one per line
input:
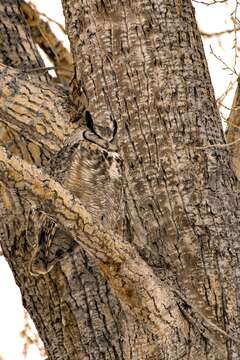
<point x="165" y="285"/>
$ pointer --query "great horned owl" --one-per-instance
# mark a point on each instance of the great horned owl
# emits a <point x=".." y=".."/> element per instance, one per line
<point x="90" y="168"/>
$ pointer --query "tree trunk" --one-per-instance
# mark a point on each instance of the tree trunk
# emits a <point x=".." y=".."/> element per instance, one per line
<point x="163" y="283"/>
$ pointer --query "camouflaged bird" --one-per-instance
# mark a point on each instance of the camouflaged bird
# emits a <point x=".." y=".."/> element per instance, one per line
<point x="90" y="168"/>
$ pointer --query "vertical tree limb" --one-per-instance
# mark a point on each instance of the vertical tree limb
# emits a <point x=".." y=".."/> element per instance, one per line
<point x="233" y="132"/>
<point x="49" y="43"/>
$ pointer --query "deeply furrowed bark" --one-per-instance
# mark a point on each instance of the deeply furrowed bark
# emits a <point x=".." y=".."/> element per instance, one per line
<point x="74" y="296"/>
<point x="141" y="64"/>
<point x="39" y="111"/>
<point x="18" y="50"/>
<point x="56" y="303"/>
<point x="155" y="303"/>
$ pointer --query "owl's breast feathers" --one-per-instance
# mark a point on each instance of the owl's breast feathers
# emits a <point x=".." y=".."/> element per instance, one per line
<point x="92" y="172"/>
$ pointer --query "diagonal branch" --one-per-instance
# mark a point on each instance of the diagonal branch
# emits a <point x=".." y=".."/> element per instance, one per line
<point x="133" y="281"/>
<point x="115" y="257"/>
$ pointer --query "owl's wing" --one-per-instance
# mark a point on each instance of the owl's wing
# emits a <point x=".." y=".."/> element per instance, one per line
<point x="53" y="244"/>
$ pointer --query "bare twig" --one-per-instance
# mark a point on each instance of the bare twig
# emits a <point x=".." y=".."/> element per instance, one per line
<point x="218" y="33"/>
<point x="213" y="2"/>
<point x="226" y="67"/>
<point x="219" y="146"/>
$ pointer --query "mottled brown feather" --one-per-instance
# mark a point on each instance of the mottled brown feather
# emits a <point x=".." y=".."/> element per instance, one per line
<point x="93" y="174"/>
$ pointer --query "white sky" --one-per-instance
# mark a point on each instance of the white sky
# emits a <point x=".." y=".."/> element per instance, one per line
<point x="211" y="19"/>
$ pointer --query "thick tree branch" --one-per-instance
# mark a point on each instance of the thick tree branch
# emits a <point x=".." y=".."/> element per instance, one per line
<point x="115" y="257"/>
<point x="34" y="115"/>
<point x="38" y="111"/>
<point x="152" y="77"/>
<point x="132" y="280"/>
<point x="17" y="49"/>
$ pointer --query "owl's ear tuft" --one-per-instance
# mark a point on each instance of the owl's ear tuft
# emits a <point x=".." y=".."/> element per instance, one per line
<point x="115" y="128"/>
<point x="89" y="121"/>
